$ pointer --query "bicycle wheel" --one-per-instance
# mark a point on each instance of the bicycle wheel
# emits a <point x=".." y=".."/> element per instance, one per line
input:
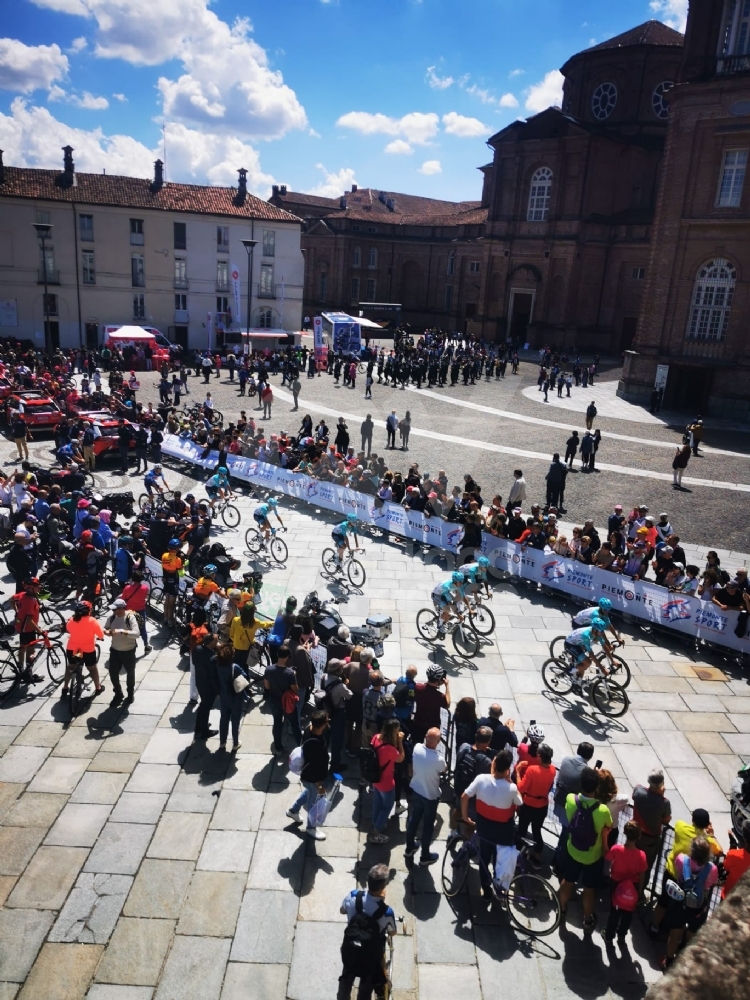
<point x="230" y="515"/>
<point x="217" y="417"/>
<point x="455" y="866"/>
<point x="427" y="624"/>
<point x="88" y="478"/>
<point x="533" y="905"/>
<point x="59" y="584"/>
<point x="482" y="620"/>
<point x="556" y="646"/>
<point x="253" y="540"/>
<point x="330" y="565"/>
<point x="610" y="698"/>
<point x="9" y="676"/>
<point x="279" y="550"/>
<point x="556" y="677"/>
<point x="55" y="658"/>
<point x="465" y="641"/>
<point x="51" y="621"/>
<point x="75" y="691"/>
<point x="356" y="573"/>
<point x="144" y="503"/>
<point x="155" y="604"/>
<point x="619" y="671"/>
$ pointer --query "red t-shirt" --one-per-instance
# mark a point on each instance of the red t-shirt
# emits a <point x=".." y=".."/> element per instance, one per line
<point x="27" y="606"/>
<point x="387" y="757"/>
<point x="135" y="596"/>
<point x="627" y="864"/>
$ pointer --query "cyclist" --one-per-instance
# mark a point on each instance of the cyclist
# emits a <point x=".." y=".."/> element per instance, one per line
<point x="207" y="585"/>
<point x="340" y="536"/>
<point x="601" y="610"/>
<point x="150" y="481"/>
<point x="27" y="607"/>
<point x="446" y="596"/>
<point x="171" y="565"/>
<point x="477" y="576"/>
<point x="260" y="516"/>
<point x="218" y="486"/>
<point x="578" y="645"/>
<point x="83" y="631"/>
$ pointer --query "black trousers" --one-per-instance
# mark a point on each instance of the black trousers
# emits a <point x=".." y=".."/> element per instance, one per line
<point x="367" y="985"/>
<point x="122" y="659"/>
<point x="207" y="690"/>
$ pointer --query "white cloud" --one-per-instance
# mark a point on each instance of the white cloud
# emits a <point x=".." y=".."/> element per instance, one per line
<point x="673" y="12"/>
<point x="227" y="84"/>
<point x="438" y="82"/>
<point x="431" y="167"/>
<point x="120" y="97"/>
<point x="399" y="148"/>
<point x="89" y="102"/>
<point x="465" y="128"/>
<point x="546" y="93"/>
<point x="78" y="44"/>
<point x="485" y="96"/>
<point x="516" y="72"/>
<point x="24" y="68"/>
<point x="416" y="127"/>
<point x="335" y="184"/>
<point x="508" y="101"/>
<point x="56" y="93"/>
<point x="32" y="137"/>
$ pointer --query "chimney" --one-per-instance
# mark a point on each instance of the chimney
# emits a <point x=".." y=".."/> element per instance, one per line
<point x="158" y="182"/>
<point x="282" y="190"/>
<point x="274" y="190"/>
<point x="354" y="188"/>
<point x="2" y="168"/>
<point x="241" y="196"/>
<point x="342" y="202"/>
<point x="68" y="177"/>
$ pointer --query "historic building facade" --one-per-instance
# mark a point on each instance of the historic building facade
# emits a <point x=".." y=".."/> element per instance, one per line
<point x="696" y="307"/>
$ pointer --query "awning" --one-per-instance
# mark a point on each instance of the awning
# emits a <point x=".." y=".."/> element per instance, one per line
<point x="267" y="334"/>
<point x="368" y="323"/>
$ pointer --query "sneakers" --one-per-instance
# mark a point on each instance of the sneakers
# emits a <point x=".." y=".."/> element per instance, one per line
<point x="590" y="924"/>
<point x="235" y="747"/>
<point x="315" y="833"/>
<point x="295" y="818"/>
<point x="148" y="649"/>
<point x="429" y="859"/>
<point x="400" y="808"/>
<point x="410" y="852"/>
<point x="378" y="838"/>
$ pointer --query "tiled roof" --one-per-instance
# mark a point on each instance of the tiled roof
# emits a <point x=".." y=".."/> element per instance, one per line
<point x="316" y="200"/>
<point x="371" y="205"/>
<point x="135" y="192"/>
<point x="471" y="214"/>
<point x="648" y="33"/>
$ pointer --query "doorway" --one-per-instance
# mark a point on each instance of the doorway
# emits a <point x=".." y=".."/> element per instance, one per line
<point x="688" y="389"/>
<point x="521" y="308"/>
<point x="92" y="336"/>
<point x="53" y="327"/>
<point x="629" y="327"/>
<point x="181" y="336"/>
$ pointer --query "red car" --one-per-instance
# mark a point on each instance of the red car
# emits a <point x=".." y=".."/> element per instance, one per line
<point x="39" y="410"/>
<point x="108" y="424"/>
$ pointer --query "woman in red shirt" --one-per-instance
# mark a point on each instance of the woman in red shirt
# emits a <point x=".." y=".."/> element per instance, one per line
<point x="135" y="594"/>
<point x="388" y="745"/>
<point x="628" y="868"/>
<point x="535" y="778"/>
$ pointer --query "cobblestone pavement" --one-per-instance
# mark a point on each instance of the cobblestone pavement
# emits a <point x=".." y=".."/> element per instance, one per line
<point x="136" y="865"/>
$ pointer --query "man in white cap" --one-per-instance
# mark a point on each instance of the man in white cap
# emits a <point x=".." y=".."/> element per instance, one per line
<point x="122" y="626"/>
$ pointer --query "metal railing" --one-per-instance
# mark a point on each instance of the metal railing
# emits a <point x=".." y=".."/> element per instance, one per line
<point x="727" y="65"/>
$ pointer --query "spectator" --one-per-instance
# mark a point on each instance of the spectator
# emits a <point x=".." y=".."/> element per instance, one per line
<point x="535" y="777"/>
<point x="679" y="464"/>
<point x="571" y="448"/>
<point x="555" y="481"/>
<point x="503" y="734"/>
<point x="404" y="695"/>
<point x="314" y="770"/>
<point x="339" y="647"/>
<point x="471" y="760"/>
<point x="388" y="746"/>
<point x="429" y="701"/>
<point x="370" y="699"/>
<point x="231" y="702"/>
<point x="337" y="694"/>
<point x="122" y="626"/>
<point x="629" y="867"/>
<point x="357" y="676"/>
<point x="391" y="425"/>
<point x="465" y="721"/>
<point x="206" y="681"/>
<point x="692" y="875"/>
<point x="607" y="794"/>
<point x="591" y="412"/>
<point x="652" y="811"/>
<point x="517" y="493"/>
<point x="370" y="904"/>
<point x="589" y="825"/>
<point x="427" y="766"/>
<point x="569" y="780"/>
<point x="737" y="860"/>
<point x="280" y="682"/>
<point x="497" y="800"/>
<point x="301" y="663"/>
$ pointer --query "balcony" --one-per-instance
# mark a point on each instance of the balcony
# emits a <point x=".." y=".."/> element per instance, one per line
<point x="222" y="286"/>
<point x="136" y="239"/>
<point x="180" y="282"/>
<point x="709" y="349"/>
<point x="181" y="317"/>
<point x="53" y="276"/>
<point x="728" y="65"/>
<point x="266" y="291"/>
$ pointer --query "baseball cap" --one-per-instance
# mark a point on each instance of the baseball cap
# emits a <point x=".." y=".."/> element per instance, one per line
<point x="119" y="603"/>
<point x="680" y="565"/>
<point x="618" y="506"/>
<point x="663" y="514"/>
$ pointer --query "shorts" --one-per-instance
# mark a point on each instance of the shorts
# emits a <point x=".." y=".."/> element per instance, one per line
<point x="26" y="638"/>
<point x="260" y="520"/>
<point x="339" y="540"/>
<point x="440" y="601"/>
<point x="590" y="875"/>
<point x="89" y="659"/>
<point x="679" y="916"/>
<point x="212" y="492"/>
<point x="171" y="585"/>
<point x="578" y="653"/>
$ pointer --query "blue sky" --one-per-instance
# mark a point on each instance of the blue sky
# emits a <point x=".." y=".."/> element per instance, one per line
<point x="399" y="96"/>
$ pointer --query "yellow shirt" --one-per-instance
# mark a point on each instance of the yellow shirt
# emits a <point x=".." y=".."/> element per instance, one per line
<point x="240" y="636"/>
<point x="684" y="835"/>
<point x="171" y="562"/>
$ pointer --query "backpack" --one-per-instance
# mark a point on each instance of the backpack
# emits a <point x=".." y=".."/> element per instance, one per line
<point x="369" y="765"/>
<point x="364" y="942"/>
<point x="582" y="831"/>
<point x="694" y="885"/>
<point x="322" y="696"/>
<point x="625" y="896"/>
<point x="403" y="693"/>
<point x="466" y="770"/>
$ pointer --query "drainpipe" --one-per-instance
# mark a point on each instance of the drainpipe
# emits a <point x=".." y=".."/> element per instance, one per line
<point x="78" y="283"/>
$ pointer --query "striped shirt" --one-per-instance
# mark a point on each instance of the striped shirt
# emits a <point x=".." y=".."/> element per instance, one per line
<point x="496" y="804"/>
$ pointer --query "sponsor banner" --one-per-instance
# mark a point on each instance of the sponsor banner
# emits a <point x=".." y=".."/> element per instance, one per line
<point x="235" y="279"/>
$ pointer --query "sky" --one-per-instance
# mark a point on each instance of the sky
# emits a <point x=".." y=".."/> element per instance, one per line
<point x="401" y="96"/>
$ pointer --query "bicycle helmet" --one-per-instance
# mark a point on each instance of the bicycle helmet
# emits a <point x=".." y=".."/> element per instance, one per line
<point x="351" y="518"/>
<point x="189" y="496"/>
<point x="435" y="673"/>
<point x="483" y="561"/>
<point x="83" y="607"/>
<point x="272" y="502"/>
<point x="223" y="470"/>
<point x="604" y="604"/>
<point x="126" y="540"/>
<point x="209" y="569"/>
<point x="535" y="733"/>
<point x="174" y="543"/>
<point x="457" y="577"/>
<point x="598" y="623"/>
<point x="157" y="466"/>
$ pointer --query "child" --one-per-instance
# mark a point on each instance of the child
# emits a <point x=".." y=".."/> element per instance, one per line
<point x="628" y="869"/>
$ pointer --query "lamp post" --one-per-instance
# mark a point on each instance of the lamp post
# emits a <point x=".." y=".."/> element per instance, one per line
<point x="44" y="232"/>
<point x="249" y="246"/>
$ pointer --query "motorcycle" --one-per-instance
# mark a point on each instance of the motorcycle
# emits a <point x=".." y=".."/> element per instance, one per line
<point x="326" y="621"/>
<point x="739" y="800"/>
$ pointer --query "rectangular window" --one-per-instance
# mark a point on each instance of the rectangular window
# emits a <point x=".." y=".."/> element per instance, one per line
<point x="86" y="228"/>
<point x="323" y="286"/>
<point x="372" y="257"/>
<point x="371" y="229"/>
<point x="639" y="273"/>
<point x="222" y="275"/>
<point x="137" y="271"/>
<point x="371" y="286"/>
<point x="50" y="304"/>
<point x="732" y="178"/>
<point x="48" y="260"/>
<point x="222" y="303"/>
<point x="448" y="298"/>
<point x="269" y="242"/>
<point x="265" y="288"/>
<point x="355" y="289"/>
<point x="139" y="307"/>
<point x="180" y="302"/>
<point x="356" y="257"/>
<point x="265" y="319"/>
<point x="474" y="266"/>
<point x="180" y="235"/>
<point x="88" y="274"/>
<point x="42" y="218"/>
<point x="222" y="238"/>
<point x="136" y="232"/>
<point x="450" y="270"/>
<point x="180" y="272"/>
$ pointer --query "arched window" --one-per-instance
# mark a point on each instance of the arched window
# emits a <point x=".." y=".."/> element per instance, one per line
<point x="712" y="300"/>
<point x="603" y="101"/>
<point x="658" y="101"/>
<point x="539" y="192"/>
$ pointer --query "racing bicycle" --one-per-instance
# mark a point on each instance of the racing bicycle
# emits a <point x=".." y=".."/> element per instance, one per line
<point x="354" y="568"/>
<point x="530" y="901"/>
<point x="148" y="503"/>
<point x="614" y="665"/>
<point x="464" y="637"/>
<point x="51" y="656"/>
<point x="255" y="541"/>
<point x="224" y="508"/>
<point x="609" y="697"/>
<point x="482" y="619"/>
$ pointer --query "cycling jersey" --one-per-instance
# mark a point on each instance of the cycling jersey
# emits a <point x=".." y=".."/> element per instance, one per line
<point x="342" y="529"/>
<point x="171" y="563"/>
<point x="217" y="482"/>
<point x="261" y="513"/>
<point x="474" y="573"/>
<point x="583" y="618"/>
<point x="205" y="587"/>
<point x="581" y="638"/>
<point x="444" y="593"/>
<point x="151" y="477"/>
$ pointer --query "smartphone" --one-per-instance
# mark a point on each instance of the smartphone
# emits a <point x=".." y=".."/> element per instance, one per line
<point x="598" y="765"/>
<point x="532" y="722"/>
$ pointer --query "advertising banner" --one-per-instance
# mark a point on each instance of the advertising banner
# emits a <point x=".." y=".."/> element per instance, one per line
<point x="347" y="338"/>
<point x="321" y="351"/>
<point x="235" y="277"/>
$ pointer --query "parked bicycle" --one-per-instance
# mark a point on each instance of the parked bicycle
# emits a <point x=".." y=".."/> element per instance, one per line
<point x="51" y="657"/>
<point x="530" y="901"/>
<point x="464" y="637"/>
<point x="614" y="665"/>
<point x="255" y="540"/>
<point x="354" y="568"/>
<point x="609" y="697"/>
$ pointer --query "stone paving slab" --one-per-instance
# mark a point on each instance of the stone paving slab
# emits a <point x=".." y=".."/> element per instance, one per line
<point x="194" y="969"/>
<point x="21" y="763"/>
<point x="212" y="905"/>
<point x="136" y="952"/>
<point x="17" y="847"/>
<point x="35" y="809"/>
<point x="22" y="933"/>
<point x="78" y="825"/>
<point x="48" y="878"/>
<point x="159" y="889"/>
<point x="92" y="909"/>
<point x="58" y="774"/>
<point x="62" y="972"/>
<point x="179" y="836"/>
<point x="254" y="982"/>
<point x="120" y="848"/>
<point x="265" y="928"/>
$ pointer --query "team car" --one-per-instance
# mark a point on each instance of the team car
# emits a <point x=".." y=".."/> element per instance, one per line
<point x="39" y="411"/>
<point x="109" y="426"/>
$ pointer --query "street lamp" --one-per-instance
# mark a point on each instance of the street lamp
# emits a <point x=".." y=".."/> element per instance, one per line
<point x="44" y="232"/>
<point x="249" y="246"/>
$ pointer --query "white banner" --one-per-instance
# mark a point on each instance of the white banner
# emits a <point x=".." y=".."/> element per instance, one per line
<point x="318" y="332"/>
<point x="642" y="599"/>
<point x="235" y="279"/>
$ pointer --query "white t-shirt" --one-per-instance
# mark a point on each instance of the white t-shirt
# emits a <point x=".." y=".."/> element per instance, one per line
<point x="369" y="905"/>
<point x="497" y="799"/>
<point x="427" y="766"/>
